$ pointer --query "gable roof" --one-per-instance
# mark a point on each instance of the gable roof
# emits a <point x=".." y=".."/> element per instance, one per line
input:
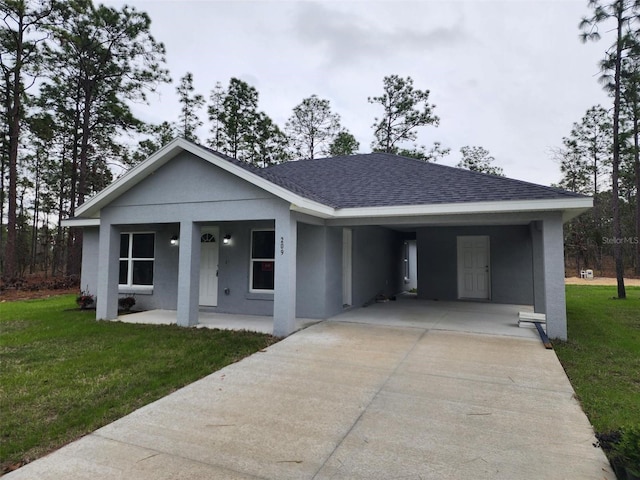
<point x="356" y="186"/>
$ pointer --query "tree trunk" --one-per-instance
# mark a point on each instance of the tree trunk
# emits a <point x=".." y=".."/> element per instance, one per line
<point x="36" y="209"/>
<point x="615" y="200"/>
<point x="15" y="113"/>
<point x="636" y="165"/>
<point x="72" y="264"/>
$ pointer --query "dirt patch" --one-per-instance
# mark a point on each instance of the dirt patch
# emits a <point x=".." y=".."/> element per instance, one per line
<point x="629" y="282"/>
<point x="12" y="295"/>
<point x="37" y="286"/>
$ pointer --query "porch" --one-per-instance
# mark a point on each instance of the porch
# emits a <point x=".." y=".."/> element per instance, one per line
<point x="406" y="311"/>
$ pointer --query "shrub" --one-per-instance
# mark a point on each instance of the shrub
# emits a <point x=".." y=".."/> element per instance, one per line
<point x="125" y="303"/>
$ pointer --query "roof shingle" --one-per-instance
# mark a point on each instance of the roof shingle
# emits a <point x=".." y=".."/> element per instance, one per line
<point x="381" y="179"/>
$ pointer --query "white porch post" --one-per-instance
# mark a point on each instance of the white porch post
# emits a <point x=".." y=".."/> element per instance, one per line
<point x="108" y="266"/>
<point x="554" y="289"/>
<point x="188" y="274"/>
<point x="284" y="298"/>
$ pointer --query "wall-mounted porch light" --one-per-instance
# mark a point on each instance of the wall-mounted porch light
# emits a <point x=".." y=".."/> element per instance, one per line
<point x="174" y="241"/>
<point x="227" y="239"/>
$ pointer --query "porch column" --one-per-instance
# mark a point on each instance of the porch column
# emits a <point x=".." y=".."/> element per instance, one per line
<point x="108" y="266"/>
<point x="188" y="274"/>
<point x="284" y="298"/>
<point x="537" y="267"/>
<point x="554" y="289"/>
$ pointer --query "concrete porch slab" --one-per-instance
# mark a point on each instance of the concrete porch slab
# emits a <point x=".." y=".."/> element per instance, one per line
<point x="406" y="311"/>
<point x="222" y="321"/>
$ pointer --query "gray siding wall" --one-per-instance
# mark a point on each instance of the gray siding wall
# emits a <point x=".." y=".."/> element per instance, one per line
<point x="90" y="249"/>
<point x="319" y="293"/>
<point x="189" y="179"/>
<point x="190" y="189"/>
<point x="377" y="263"/>
<point x="333" y="302"/>
<point x="311" y="283"/>
<point x="319" y="276"/>
<point x="233" y="272"/>
<point x="511" y="262"/>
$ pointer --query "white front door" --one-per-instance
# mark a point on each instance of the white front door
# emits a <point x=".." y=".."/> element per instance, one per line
<point x="209" y="242"/>
<point x="473" y="267"/>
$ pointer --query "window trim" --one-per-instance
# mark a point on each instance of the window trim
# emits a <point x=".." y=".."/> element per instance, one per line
<point x="130" y="286"/>
<point x="257" y="259"/>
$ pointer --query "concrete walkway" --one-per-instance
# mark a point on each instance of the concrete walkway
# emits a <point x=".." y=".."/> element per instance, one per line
<point x="352" y="399"/>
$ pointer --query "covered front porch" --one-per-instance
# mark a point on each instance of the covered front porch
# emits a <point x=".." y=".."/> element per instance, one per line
<point x="406" y="311"/>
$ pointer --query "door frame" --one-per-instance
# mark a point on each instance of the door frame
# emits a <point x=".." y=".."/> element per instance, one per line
<point x="460" y="267"/>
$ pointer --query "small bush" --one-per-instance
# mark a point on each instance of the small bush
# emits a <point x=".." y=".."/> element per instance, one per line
<point x="125" y="303"/>
<point x="85" y="300"/>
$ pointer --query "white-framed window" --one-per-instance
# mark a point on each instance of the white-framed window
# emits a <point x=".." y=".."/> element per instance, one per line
<point x="136" y="259"/>
<point x="261" y="270"/>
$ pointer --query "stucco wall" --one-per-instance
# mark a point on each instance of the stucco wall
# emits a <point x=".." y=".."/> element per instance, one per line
<point x="510" y="267"/>
<point x="319" y="276"/>
<point x="233" y="272"/>
<point x="311" y="271"/>
<point x="190" y="189"/>
<point x="333" y="296"/>
<point x="189" y="179"/>
<point x="90" y="248"/>
<point x="319" y="293"/>
<point x="377" y="263"/>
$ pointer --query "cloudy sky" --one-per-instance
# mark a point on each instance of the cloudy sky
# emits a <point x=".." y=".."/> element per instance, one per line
<point x="511" y="75"/>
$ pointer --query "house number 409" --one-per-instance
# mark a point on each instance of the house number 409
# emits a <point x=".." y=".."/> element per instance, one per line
<point x="281" y="245"/>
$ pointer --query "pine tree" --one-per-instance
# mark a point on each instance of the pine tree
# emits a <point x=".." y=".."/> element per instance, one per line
<point x="191" y="103"/>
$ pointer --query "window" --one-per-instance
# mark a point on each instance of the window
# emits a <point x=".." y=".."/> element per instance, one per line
<point x="263" y="246"/>
<point x="136" y="259"/>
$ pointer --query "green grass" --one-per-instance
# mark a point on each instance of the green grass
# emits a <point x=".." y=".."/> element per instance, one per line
<point x="64" y="374"/>
<point x="602" y="356"/>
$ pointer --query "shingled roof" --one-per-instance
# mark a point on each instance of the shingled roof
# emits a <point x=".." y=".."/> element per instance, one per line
<point x="381" y="179"/>
<point x="364" y="185"/>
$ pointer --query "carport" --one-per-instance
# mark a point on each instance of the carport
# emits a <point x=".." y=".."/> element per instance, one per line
<point x="511" y="258"/>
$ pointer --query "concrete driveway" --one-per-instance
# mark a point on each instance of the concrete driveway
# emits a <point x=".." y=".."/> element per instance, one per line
<point x="352" y="399"/>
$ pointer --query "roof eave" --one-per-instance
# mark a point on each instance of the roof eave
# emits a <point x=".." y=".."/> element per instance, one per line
<point x="80" y="222"/>
<point x="571" y="207"/>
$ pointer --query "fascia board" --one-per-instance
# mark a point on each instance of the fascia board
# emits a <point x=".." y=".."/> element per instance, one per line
<point x="580" y="204"/>
<point x="81" y="222"/>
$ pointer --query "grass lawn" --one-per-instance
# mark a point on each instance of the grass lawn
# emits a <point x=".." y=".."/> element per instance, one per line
<point x="602" y="356"/>
<point x="64" y="374"/>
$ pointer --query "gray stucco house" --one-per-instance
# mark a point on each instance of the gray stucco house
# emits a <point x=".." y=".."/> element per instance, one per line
<point x="190" y="228"/>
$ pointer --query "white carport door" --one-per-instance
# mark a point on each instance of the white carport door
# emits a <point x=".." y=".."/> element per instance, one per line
<point x="473" y="267"/>
<point x="209" y="242"/>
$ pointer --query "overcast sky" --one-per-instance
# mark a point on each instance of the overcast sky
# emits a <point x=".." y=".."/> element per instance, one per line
<point x="511" y="76"/>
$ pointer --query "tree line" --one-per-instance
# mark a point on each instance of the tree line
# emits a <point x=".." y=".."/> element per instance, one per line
<point x="601" y="155"/>
<point x="70" y="72"/>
